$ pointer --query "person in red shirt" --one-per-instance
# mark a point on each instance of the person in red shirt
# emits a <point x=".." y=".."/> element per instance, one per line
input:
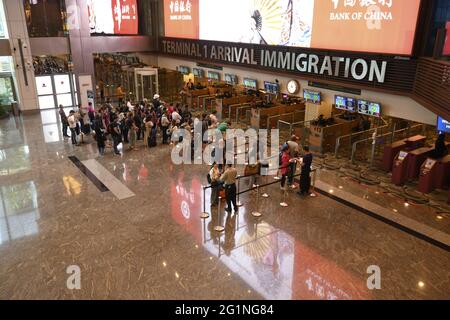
<point x="285" y="167"/>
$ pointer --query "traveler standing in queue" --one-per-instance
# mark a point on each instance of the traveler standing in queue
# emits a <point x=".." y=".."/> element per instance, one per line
<point x="132" y="130"/>
<point x="285" y="167"/>
<point x="116" y="134"/>
<point x="294" y="152"/>
<point x="214" y="175"/>
<point x="64" y="121"/>
<point x="165" y="123"/>
<point x="305" y="178"/>
<point x="99" y="134"/>
<point x="72" y="120"/>
<point x="229" y="180"/>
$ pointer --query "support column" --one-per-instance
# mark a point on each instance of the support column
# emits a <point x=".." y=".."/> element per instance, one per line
<point x="21" y="54"/>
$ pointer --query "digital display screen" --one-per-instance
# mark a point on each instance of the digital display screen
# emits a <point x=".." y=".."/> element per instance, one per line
<point x="113" y="16"/>
<point x="183" y="70"/>
<point x="402" y="155"/>
<point x="345" y="103"/>
<point x="250" y="84"/>
<point x="312" y="96"/>
<point x="213" y="75"/>
<point x="271" y="87"/>
<point x="443" y="125"/>
<point x="446" y="51"/>
<point x="231" y="79"/>
<point x="369" y="108"/>
<point x="355" y="25"/>
<point x="198" y="72"/>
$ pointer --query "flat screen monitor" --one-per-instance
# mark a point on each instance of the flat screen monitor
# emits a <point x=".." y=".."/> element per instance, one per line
<point x="443" y="125"/>
<point x="312" y="96"/>
<point x="271" y="87"/>
<point x="345" y="103"/>
<point x="213" y="75"/>
<point x="250" y="84"/>
<point x="231" y="79"/>
<point x="198" y="72"/>
<point x="183" y="69"/>
<point x="368" y="108"/>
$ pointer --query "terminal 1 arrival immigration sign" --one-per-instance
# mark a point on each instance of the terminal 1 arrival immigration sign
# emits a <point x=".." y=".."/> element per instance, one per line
<point x="364" y="69"/>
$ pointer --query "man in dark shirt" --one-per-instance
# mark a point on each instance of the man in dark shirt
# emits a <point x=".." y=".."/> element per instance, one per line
<point x="64" y="121"/>
<point x="116" y="134"/>
<point x="305" y="178"/>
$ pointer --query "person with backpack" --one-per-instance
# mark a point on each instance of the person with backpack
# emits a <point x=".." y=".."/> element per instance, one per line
<point x="214" y="181"/>
<point x="99" y="134"/>
<point x="165" y="123"/>
<point x="116" y="134"/>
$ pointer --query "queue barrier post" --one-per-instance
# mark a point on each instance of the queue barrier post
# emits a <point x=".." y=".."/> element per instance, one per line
<point x="219" y="228"/>
<point x="204" y="214"/>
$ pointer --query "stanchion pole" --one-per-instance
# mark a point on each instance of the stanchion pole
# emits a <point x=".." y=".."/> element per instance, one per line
<point x="204" y="214"/>
<point x="265" y="194"/>
<point x="239" y="203"/>
<point x="256" y="213"/>
<point x="283" y="202"/>
<point x="313" y="193"/>
<point x="219" y="228"/>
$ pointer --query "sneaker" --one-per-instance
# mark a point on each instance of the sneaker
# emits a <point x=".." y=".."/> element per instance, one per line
<point x="228" y="210"/>
<point x="293" y="186"/>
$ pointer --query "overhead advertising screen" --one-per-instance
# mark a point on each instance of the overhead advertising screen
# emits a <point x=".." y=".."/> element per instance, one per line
<point x="350" y="25"/>
<point x="113" y="17"/>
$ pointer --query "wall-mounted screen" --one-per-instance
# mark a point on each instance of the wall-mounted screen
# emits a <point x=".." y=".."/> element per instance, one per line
<point x="368" y="108"/>
<point x="345" y="103"/>
<point x="250" y="84"/>
<point x="213" y="75"/>
<point x="355" y="25"/>
<point x="199" y="73"/>
<point x="446" y="51"/>
<point x="113" y="16"/>
<point x="443" y="125"/>
<point x="312" y="96"/>
<point x="183" y="69"/>
<point x="271" y="87"/>
<point x="402" y="155"/>
<point x="231" y="79"/>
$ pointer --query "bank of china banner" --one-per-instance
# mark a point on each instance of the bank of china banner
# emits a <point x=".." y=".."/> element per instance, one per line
<point x="378" y="26"/>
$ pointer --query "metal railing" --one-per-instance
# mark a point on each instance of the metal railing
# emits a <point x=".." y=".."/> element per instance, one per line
<point x="292" y="115"/>
<point x="378" y="140"/>
<point x="351" y="137"/>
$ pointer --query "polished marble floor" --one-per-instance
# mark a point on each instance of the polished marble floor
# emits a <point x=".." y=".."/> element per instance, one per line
<point x="153" y="245"/>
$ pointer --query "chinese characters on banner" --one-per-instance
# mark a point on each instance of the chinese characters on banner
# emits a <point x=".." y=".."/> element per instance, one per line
<point x="125" y="16"/>
<point x="181" y="18"/>
<point x="113" y="16"/>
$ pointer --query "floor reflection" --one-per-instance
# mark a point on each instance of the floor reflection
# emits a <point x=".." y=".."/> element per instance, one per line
<point x="270" y="261"/>
<point x="14" y="160"/>
<point x="19" y="211"/>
